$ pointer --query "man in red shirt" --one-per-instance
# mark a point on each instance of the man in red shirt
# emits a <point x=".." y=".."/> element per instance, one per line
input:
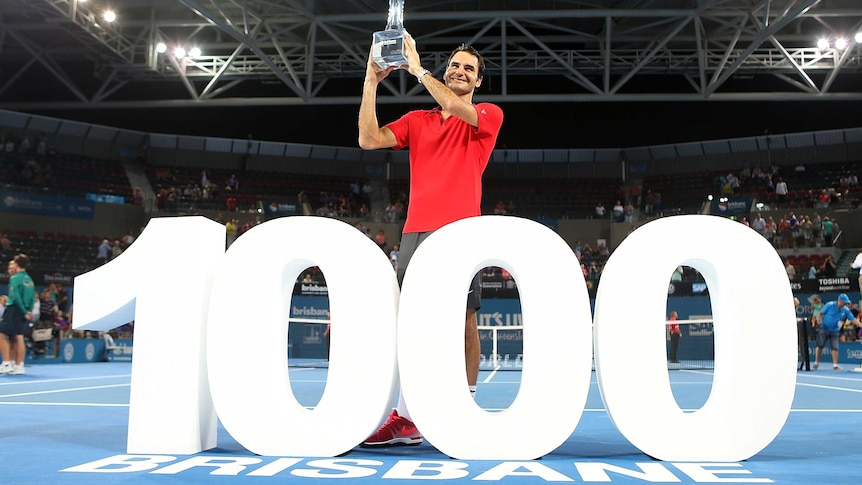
<point x="450" y="146"/>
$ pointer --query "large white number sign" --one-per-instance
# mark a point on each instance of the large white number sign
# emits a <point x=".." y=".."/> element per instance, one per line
<point x="555" y="378"/>
<point x="161" y="282"/>
<point x="755" y="340"/>
<point x="210" y="343"/>
<point x="256" y="405"/>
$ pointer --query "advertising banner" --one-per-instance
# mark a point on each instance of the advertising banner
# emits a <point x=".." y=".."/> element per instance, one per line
<point x="46" y="205"/>
<point x="724" y="206"/>
<point x="274" y="208"/>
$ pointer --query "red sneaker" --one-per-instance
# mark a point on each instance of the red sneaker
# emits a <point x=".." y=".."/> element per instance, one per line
<point x="396" y="431"/>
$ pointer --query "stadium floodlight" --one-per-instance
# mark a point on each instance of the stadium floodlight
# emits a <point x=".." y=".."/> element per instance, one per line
<point x="823" y="44"/>
<point x="109" y="16"/>
<point x="179" y="53"/>
<point x="161" y="47"/>
<point x="195" y="52"/>
<point x="841" y="44"/>
<point x="858" y="37"/>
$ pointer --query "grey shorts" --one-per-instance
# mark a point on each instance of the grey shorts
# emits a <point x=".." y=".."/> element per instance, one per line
<point x="824" y="336"/>
<point x="409" y="243"/>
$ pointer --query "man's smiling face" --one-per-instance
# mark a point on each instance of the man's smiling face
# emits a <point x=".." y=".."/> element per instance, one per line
<point x="462" y="74"/>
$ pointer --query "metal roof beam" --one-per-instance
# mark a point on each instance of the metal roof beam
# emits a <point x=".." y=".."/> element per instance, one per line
<point x="295" y="87"/>
<point x="226" y="65"/>
<point x="586" y="83"/>
<point x="649" y="57"/>
<point x="765" y="34"/>
<point x="810" y="86"/>
<point x="51" y="66"/>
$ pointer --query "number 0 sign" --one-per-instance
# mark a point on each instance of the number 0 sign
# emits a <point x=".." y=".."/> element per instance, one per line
<point x="210" y="344"/>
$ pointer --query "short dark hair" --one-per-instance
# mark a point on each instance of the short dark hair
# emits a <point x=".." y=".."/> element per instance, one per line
<point x="471" y="50"/>
<point x="22" y="260"/>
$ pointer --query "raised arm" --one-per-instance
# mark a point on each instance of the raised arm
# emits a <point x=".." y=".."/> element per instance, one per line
<point x="460" y="106"/>
<point x="371" y="135"/>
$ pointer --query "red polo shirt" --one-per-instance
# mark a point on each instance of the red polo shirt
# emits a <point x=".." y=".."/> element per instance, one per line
<point x="447" y="159"/>
<point x="673" y="327"/>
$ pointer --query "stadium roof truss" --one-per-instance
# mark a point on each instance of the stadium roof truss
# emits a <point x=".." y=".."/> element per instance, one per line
<point x="57" y="54"/>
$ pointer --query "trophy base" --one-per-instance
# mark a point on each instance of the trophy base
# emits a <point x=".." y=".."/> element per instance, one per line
<point x="388" y="49"/>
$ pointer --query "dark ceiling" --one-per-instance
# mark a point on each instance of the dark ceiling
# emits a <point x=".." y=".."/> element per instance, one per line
<point x="568" y="73"/>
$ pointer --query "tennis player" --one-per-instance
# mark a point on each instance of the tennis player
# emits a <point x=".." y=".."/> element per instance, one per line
<point x="450" y="146"/>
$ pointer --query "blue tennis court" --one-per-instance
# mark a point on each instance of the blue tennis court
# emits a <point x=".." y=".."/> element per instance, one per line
<point x="67" y="424"/>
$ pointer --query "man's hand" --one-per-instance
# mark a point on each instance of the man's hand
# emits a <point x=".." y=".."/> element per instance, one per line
<point x="373" y="72"/>
<point x="414" y="65"/>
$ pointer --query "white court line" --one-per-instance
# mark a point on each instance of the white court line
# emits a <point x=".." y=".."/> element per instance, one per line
<point x="13" y="381"/>
<point x="834" y="388"/>
<point x="79" y="404"/>
<point x="595" y="383"/>
<point x="813" y="374"/>
<point x="54" y="391"/>
<point x="586" y="410"/>
<point x="602" y="410"/>
<point x="826" y="410"/>
<point x="834" y="378"/>
<point x="699" y="372"/>
<point x="491" y="375"/>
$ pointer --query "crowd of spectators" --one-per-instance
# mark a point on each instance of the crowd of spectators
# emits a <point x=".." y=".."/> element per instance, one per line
<point x="814" y="186"/>
<point x="31" y="163"/>
<point x="235" y="228"/>
<point x="850" y="332"/>
<point x="177" y="189"/>
<point x="795" y="232"/>
<point x="32" y="167"/>
<point x="592" y="260"/>
<point x="54" y="314"/>
<point x="504" y="208"/>
<point x="185" y="190"/>
<point x="355" y="203"/>
<point x="396" y="208"/>
<point x="820" y="187"/>
<point x="803" y="232"/>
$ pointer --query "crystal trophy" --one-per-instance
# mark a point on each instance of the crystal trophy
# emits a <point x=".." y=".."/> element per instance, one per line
<point x="388" y="47"/>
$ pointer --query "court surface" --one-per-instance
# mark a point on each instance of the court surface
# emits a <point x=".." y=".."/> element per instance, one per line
<point x="59" y="421"/>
